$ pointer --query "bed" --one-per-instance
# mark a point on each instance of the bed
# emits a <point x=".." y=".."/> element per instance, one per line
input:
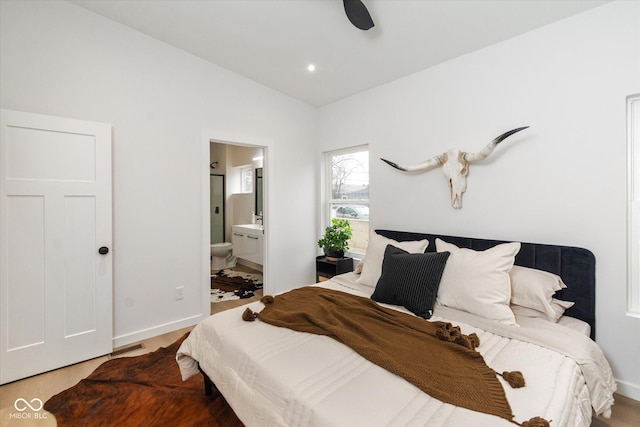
<point x="276" y="376"/>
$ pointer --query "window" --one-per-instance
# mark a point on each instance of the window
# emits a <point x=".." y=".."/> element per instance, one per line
<point x="633" y="146"/>
<point x="246" y="175"/>
<point x="347" y="192"/>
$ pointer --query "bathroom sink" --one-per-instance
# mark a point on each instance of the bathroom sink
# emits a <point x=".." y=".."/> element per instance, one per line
<point x="250" y="226"/>
<point x="248" y="242"/>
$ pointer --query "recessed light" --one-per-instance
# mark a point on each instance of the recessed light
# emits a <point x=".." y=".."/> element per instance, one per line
<point x="311" y="67"/>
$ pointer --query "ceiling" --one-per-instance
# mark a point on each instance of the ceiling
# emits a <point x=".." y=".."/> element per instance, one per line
<point x="273" y="41"/>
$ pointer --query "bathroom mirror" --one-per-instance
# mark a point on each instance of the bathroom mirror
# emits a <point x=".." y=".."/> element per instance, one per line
<point x="258" y="192"/>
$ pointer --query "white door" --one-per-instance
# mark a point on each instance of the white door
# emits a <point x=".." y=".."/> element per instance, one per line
<point x="55" y="215"/>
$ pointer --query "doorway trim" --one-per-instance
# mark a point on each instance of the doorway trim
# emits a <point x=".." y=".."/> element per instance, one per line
<point x="232" y="138"/>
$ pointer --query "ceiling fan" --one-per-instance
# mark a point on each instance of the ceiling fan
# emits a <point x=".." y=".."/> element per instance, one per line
<point x="358" y="14"/>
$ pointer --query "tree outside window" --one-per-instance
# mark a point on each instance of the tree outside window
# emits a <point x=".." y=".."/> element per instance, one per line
<point x="348" y="194"/>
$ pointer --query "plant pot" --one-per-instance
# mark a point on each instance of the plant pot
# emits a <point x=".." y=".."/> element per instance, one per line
<point x="333" y="254"/>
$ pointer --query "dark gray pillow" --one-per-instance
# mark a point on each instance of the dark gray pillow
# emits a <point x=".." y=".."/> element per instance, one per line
<point x="410" y="280"/>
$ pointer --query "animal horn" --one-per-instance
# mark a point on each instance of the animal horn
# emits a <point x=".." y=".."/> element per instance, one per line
<point x="429" y="163"/>
<point x="486" y="151"/>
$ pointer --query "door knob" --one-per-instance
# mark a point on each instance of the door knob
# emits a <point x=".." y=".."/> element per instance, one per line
<point x="103" y="250"/>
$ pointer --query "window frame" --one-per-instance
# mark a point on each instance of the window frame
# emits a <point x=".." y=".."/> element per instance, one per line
<point x="633" y="205"/>
<point x="328" y="191"/>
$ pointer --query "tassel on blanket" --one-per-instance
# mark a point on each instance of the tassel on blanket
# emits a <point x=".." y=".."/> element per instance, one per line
<point x="475" y="339"/>
<point x="535" y="422"/>
<point x="249" y="315"/>
<point x="447" y="332"/>
<point x="515" y="380"/>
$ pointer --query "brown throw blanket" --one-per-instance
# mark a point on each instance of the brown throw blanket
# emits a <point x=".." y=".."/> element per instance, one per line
<point x="402" y="344"/>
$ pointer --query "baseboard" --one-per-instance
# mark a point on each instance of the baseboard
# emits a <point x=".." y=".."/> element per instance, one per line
<point x="249" y="264"/>
<point x="144" y="334"/>
<point x="632" y="391"/>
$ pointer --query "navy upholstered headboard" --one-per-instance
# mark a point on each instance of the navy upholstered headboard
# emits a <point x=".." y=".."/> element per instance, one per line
<point x="576" y="267"/>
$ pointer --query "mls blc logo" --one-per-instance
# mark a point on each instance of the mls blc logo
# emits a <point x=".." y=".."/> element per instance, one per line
<point x="22" y="405"/>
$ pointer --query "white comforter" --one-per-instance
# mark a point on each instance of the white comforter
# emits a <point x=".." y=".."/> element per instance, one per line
<point x="278" y="377"/>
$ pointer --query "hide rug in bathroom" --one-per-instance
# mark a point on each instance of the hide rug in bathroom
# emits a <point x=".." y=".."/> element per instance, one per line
<point x="231" y="284"/>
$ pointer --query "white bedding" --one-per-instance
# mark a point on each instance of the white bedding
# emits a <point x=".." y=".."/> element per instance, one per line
<point x="278" y="377"/>
<point x="575" y="324"/>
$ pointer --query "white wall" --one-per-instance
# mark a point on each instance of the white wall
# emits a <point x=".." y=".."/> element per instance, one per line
<point x="562" y="181"/>
<point x="62" y="60"/>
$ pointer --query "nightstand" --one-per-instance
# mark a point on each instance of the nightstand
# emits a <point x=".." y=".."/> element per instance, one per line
<point x="326" y="269"/>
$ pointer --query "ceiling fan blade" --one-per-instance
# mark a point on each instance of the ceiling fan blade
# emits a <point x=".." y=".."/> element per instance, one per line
<point x="358" y="14"/>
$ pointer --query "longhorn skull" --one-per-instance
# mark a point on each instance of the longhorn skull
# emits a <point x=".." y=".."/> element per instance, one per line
<point x="455" y="165"/>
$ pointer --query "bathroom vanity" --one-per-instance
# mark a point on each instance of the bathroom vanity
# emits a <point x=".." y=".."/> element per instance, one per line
<point x="247" y="242"/>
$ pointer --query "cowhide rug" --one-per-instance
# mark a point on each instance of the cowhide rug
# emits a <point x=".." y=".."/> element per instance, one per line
<point x="231" y="284"/>
<point x="145" y="390"/>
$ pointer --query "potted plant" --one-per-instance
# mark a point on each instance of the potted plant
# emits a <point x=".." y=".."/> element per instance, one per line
<point x="335" y="241"/>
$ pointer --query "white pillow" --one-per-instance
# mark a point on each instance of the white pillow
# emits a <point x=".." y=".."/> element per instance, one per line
<point x="372" y="261"/>
<point x="478" y="281"/>
<point x="557" y="305"/>
<point x="534" y="288"/>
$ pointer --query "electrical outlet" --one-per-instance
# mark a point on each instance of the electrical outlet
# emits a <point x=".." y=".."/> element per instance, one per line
<point x="179" y="292"/>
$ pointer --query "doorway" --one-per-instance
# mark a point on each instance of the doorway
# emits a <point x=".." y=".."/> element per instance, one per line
<point x="236" y="190"/>
<point x="241" y="201"/>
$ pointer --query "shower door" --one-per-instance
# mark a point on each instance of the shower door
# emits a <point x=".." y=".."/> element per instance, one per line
<point x="217" y="208"/>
